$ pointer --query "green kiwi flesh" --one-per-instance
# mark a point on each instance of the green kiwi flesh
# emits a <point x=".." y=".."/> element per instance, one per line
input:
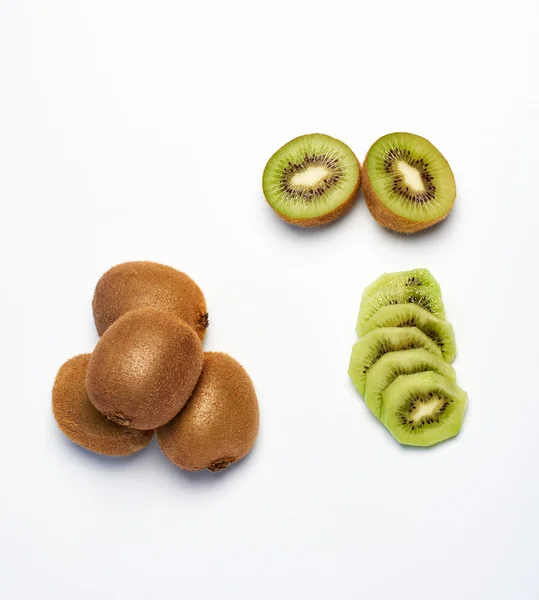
<point x="404" y="362"/>
<point x="144" y="368"/>
<point x="219" y="425"/>
<point x="408" y="183"/>
<point x="311" y="180"/>
<point x="378" y="342"/>
<point x="82" y="423"/>
<point x="412" y="278"/>
<point x="423" y="409"/>
<point x="411" y="315"/>
<point x="143" y="284"/>
<point x="426" y="297"/>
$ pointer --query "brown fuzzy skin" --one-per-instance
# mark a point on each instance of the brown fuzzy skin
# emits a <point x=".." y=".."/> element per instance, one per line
<point x="82" y="423"/>
<point x="335" y="214"/>
<point x="144" y="368"/>
<point x="143" y="284"/>
<point x="388" y="219"/>
<point x="219" y="425"/>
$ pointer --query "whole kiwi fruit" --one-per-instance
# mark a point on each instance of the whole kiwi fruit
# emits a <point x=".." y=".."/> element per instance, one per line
<point x="219" y="425"/>
<point x="143" y="284"/>
<point x="144" y="368"/>
<point x="82" y="423"/>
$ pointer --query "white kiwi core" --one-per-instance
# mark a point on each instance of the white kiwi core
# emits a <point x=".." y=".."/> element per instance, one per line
<point x="412" y="176"/>
<point x="310" y="177"/>
<point x="426" y="409"/>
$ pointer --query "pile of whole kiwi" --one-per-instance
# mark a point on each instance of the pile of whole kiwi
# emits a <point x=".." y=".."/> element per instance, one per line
<point x="148" y="373"/>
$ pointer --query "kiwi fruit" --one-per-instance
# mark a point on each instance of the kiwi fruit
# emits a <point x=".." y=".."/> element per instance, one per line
<point x="144" y="368"/>
<point x="413" y="278"/>
<point x="438" y="330"/>
<point x="425" y="297"/>
<point x="219" y="425"/>
<point x="423" y="409"/>
<point x="312" y="180"/>
<point x="378" y="342"/>
<point x="391" y="365"/>
<point x="82" y="423"/>
<point x="408" y="184"/>
<point x="143" y="284"/>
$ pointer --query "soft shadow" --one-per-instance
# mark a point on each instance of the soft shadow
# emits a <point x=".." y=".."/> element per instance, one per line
<point x="109" y="462"/>
<point x="319" y="230"/>
<point x="204" y="478"/>
<point x="424" y="233"/>
<point x="431" y="449"/>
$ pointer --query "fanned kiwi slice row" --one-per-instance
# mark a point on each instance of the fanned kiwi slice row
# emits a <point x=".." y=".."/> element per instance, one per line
<point x="425" y="297"/>
<point x="438" y="330"/>
<point x="393" y="364"/>
<point x="423" y="409"/>
<point x="408" y="184"/>
<point x="413" y="278"/>
<point x="381" y="341"/>
<point x="311" y="180"/>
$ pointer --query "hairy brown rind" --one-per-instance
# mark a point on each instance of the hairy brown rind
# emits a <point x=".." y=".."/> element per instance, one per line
<point x="82" y="423"/>
<point x="389" y="219"/>
<point x="219" y="424"/>
<point x="143" y="284"/>
<point x="335" y="214"/>
<point x="144" y="368"/>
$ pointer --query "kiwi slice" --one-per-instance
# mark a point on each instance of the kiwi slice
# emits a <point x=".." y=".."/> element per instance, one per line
<point x="425" y="297"/>
<point x="413" y="278"/>
<point x="438" y="330"/>
<point x="381" y="341"/>
<point x="312" y="180"/>
<point x="82" y="423"/>
<point x="423" y="409"/>
<point x="219" y="425"/>
<point x="143" y="284"/>
<point x="408" y="184"/>
<point x="144" y="368"/>
<point x="393" y="364"/>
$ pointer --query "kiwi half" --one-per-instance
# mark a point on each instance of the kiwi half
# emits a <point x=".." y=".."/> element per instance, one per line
<point x="393" y="364"/>
<point x="143" y="284"/>
<point x="425" y="297"/>
<point x="438" y="330"/>
<point x="312" y="180"/>
<point x="408" y="184"/>
<point x="414" y="278"/>
<point x="144" y="368"/>
<point x="378" y="342"/>
<point x="423" y="409"/>
<point x="82" y="423"/>
<point x="219" y="425"/>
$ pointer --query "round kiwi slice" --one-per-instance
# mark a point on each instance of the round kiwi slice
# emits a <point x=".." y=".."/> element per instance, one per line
<point x="413" y="278"/>
<point x="425" y="297"/>
<point x="82" y="423"/>
<point x="144" y="368"/>
<point x="312" y="180"/>
<point x="438" y="330"/>
<point x="381" y="341"/>
<point x="143" y="284"/>
<point x="393" y="364"/>
<point x="408" y="184"/>
<point x="219" y="425"/>
<point x="423" y="409"/>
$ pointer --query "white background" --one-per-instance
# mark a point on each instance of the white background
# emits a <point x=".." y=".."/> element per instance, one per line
<point x="135" y="130"/>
